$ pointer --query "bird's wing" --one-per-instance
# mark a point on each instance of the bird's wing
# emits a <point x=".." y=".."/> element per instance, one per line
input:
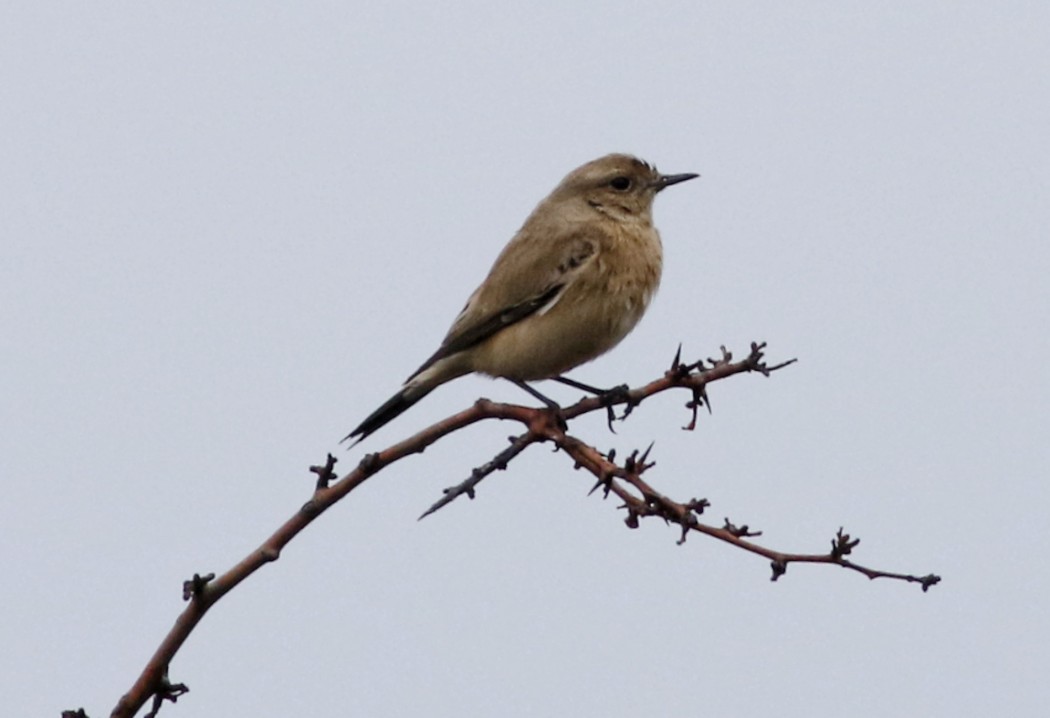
<point x="529" y="276"/>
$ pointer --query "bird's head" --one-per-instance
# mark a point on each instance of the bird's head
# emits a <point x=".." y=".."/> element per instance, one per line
<point x="618" y="185"/>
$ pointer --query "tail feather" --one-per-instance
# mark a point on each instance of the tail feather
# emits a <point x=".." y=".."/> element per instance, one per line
<point x="390" y="410"/>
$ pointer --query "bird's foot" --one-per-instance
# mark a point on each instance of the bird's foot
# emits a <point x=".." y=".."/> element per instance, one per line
<point x="611" y="397"/>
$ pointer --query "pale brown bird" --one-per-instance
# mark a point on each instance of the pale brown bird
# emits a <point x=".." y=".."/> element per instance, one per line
<point x="570" y="285"/>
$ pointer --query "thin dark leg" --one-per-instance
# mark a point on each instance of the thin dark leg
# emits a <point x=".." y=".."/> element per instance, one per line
<point x="609" y="397"/>
<point x="579" y="385"/>
<point x="551" y="404"/>
<point x="618" y="394"/>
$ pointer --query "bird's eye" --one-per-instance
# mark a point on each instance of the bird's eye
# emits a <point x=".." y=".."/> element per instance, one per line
<point x="621" y="183"/>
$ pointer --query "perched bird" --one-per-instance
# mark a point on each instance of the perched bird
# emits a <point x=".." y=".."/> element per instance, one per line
<point x="570" y="285"/>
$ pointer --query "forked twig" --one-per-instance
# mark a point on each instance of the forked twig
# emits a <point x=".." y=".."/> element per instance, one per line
<point x="626" y="481"/>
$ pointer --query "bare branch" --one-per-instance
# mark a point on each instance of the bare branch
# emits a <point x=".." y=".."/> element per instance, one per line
<point x="517" y="445"/>
<point x="645" y="501"/>
<point x="639" y="498"/>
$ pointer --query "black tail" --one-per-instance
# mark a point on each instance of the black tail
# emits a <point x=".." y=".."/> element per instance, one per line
<point x="390" y="410"/>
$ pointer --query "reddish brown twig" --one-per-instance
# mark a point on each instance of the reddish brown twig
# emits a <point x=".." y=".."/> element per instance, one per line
<point x="639" y="499"/>
<point x="645" y="501"/>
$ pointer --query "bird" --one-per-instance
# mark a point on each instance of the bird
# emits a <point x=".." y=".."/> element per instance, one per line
<point x="568" y="287"/>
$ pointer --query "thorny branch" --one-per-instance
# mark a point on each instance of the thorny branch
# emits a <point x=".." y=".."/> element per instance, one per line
<point x="639" y="499"/>
<point x="518" y="444"/>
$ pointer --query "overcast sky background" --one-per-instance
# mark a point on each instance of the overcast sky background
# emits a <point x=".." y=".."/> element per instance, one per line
<point x="230" y="231"/>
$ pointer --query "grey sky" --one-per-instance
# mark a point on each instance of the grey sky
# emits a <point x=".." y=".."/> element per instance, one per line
<point x="229" y="231"/>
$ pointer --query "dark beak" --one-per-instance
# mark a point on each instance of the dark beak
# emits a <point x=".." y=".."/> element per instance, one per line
<point x="668" y="180"/>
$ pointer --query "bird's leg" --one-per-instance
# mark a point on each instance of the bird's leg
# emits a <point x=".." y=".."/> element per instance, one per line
<point x="617" y="395"/>
<point x="554" y="407"/>
<point x="551" y="404"/>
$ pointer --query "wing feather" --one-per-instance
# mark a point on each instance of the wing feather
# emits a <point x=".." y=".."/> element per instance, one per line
<point x="532" y="283"/>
